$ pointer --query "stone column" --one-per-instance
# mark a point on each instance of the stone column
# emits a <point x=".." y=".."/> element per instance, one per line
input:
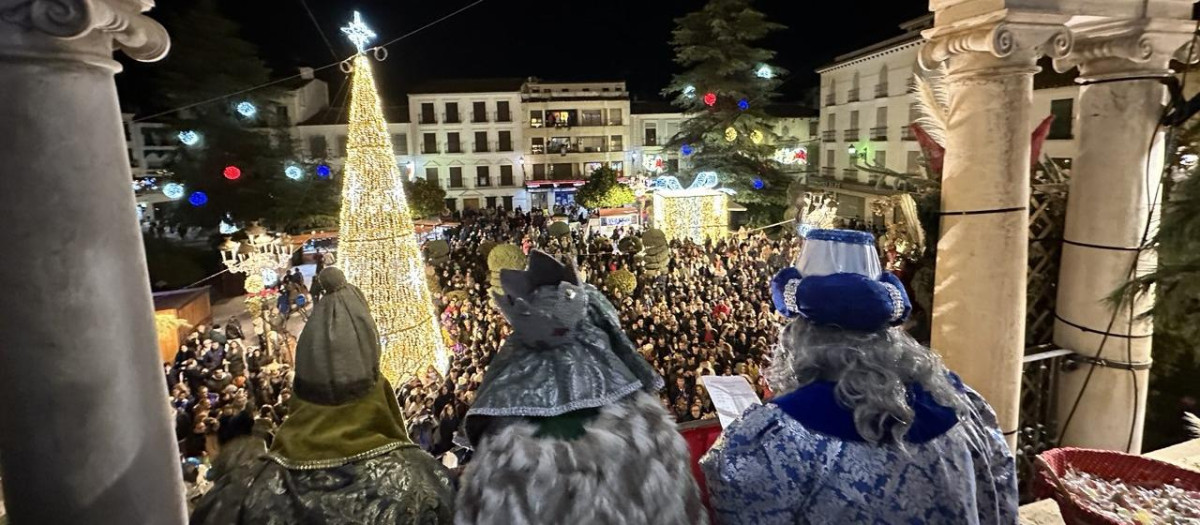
<point x="84" y="426"/>
<point x="1114" y="188"/>
<point x="979" y="294"/>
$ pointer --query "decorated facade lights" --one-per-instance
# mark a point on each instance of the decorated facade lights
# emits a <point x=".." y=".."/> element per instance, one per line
<point x="232" y="172"/>
<point x="710" y="99"/>
<point x="189" y="137"/>
<point x="247" y="109"/>
<point x="654" y="163"/>
<point x="293" y="172"/>
<point x="797" y="155"/>
<point x="173" y="190"/>
<point x="198" y="199"/>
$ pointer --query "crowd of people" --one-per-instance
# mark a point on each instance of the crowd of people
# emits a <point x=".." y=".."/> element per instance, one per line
<point x="707" y="313"/>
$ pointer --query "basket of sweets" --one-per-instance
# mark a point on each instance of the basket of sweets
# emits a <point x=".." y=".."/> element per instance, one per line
<point x="1101" y="487"/>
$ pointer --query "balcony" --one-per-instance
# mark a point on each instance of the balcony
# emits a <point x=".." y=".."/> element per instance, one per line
<point x="850" y="174"/>
<point x="429" y="148"/>
<point x="906" y="133"/>
<point x="504" y="146"/>
<point x="454" y="148"/>
<point x="591" y="121"/>
<point x="881" y="90"/>
<point x="852" y="95"/>
<point x="479" y="117"/>
<point x="451" y="118"/>
<point x="503" y="117"/>
<point x="829" y="135"/>
<point x="879" y="133"/>
<point x="828" y="171"/>
<point x="850" y="134"/>
<point x="481" y="147"/>
<point x="483" y="182"/>
<point x="830" y="100"/>
<point x="427" y="119"/>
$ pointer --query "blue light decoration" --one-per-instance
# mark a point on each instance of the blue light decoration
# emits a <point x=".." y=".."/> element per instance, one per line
<point x="173" y="190"/>
<point x="705" y="180"/>
<point x="686" y="150"/>
<point x="246" y="109"/>
<point x="198" y="198"/>
<point x="189" y="137"/>
<point x="743" y="104"/>
<point x="293" y="172"/>
<point x="764" y="71"/>
<point x="323" y="171"/>
<point x="758" y="183"/>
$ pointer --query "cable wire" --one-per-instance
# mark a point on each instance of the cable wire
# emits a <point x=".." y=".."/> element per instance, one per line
<point x="317" y="25"/>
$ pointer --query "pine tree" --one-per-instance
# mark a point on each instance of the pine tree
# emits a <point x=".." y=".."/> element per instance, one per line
<point x="604" y="190"/>
<point x="734" y="135"/>
<point x="377" y="244"/>
<point x="209" y="60"/>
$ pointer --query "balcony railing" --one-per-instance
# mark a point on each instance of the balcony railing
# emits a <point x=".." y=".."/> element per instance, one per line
<point x="829" y="135"/>
<point x="504" y="146"/>
<point x="852" y="95"/>
<point x="481" y="148"/>
<point x="650" y="141"/>
<point x="454" y="148"/>
<point x="503" y="117"/>
<point x="881" y="90"/>
<point x="429" y="148"/>
<point x="828" y="171"/>
<point x="588" y="121"/>
<point x="506" y="181"/>
<point x="850" y="134"/>
<point x="479" y="117"/>
<point x="428" y="119"/>
<point x="830" y="100"/>
<point x="850" y="173"/>
<point x="451" y="118"/>
<point x="879" y="133"/>
<point x="906" y="133"/>
<point x="483" y="182"/>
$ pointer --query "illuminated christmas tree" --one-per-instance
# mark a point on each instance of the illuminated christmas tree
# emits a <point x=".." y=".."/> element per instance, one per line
<point x="377" y="244"/>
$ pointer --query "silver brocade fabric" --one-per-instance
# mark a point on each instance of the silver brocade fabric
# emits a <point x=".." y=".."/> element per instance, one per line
<point x="567" y="352"/>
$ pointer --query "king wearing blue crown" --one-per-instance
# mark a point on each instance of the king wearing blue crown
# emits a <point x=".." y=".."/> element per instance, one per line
<point x="868" y="425"/>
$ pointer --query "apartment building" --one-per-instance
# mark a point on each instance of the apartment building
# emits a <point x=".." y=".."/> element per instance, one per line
<point x="867" y="106"/>
<point x="151" y="147"/>
<point x="570" y="130"/>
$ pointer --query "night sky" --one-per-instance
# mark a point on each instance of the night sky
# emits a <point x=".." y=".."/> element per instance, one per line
<point x="553" y="40"/>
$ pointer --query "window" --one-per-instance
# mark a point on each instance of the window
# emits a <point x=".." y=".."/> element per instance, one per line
<point x="452" y="204"/>
<point x="813" y="128"/>
<point x="427" y="116"/>
<point x="590" y="167"/>
<point x="832" y="122"/>
<point x="1062" y="109"/>
<point x="452" y="112"/>
<point x="564" y="171"/>
<point x="506" y="176"/>
<point x="651" y="135"/>
<point x="502" y="113"/>
<point x="537" y="145"/>
<point x="400" y="144"/>
<point x="491" y="202"/>
<point x="429" y="143"/>
<point x="880" y="158"/>
<point x="282" y="113"/>
<point x="535" y="118"/>
<point x="508" y="203"/>
<point x="617" y="166"/>
<point x="505" y="141"/>
<point x="854" y="119"/>
<point x="456" y="177"/>
<point x="614" y="116"/>
<point x="452" y="144"/>
<point x="432" y="174"/>
<point x="913" y="165"/>
<point x="481" y="142"/>
<point x="343" y="142"/>
<point x="479" y="112"/>
<point x="829" y="158"/>
<point x="881" y="88"/>
<point x="914" y="113"/>
<point x="560" y="145"/>
<point x="539" y="172"/>
<point x="483" y="176"/>
<point x="317" y="147"/>
<point x="558" y="119"/>
<point x="591" y="144"/>
<point x="615" y="143"/>
<point x="591" y="117"/>
<point x="881" y="116"/>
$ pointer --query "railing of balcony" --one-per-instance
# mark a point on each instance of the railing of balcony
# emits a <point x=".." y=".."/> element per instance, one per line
<point x="502" y="117"/>
<point x="850" y="134"/>
<point x="828" y="171"/>
<point x="481" y="147"/>
<point x="881" y="90"/>
<point x="454" y="147"/>
<point x="830" y="100"/>
<point x="829" y="135"/>
<point x="850" y="173"/>
<point x="429" y="148"/>
<point x="906" y="133"/>
<point x="451" y="118"/>
<point x="479" y="117"/>
<point x="427" y="119"/>
<point x="852" y="95"/>
<point x="879" y="133"/>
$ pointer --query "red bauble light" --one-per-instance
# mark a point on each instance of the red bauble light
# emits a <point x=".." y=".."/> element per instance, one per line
<point x="710" y="98"/>
<point x="232" y="172"/>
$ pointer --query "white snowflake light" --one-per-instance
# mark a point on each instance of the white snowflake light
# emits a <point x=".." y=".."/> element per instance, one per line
<point x="358" y="33"/>
<point x="189" y="137"/>
<point x="173" y="190"/>
<point x="293" y="172"/>
<point x="689" y="91"/>
<point x="246" y="109"/>
<point x="1189" y="159"/>
<point x="764" y="71"/>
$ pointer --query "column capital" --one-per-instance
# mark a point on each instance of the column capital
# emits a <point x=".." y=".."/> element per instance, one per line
<point x="1007" y="37"/>
<point x="72" y="29"/>
<point x="1128" y="48"/>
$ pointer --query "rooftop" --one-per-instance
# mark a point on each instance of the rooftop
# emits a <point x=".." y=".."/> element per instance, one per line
<point x="469" y="85"/>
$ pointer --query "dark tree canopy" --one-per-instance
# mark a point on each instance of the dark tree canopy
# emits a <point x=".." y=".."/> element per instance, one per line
<point x="425" y="197"/>
<point x="208" y="60"/>
<point x="715" y="47"/>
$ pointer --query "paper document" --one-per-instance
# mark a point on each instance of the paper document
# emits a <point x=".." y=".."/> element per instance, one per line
<point x="731" y="395"/>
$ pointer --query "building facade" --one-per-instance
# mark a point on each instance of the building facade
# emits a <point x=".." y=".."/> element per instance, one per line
<point x="867" y="104"/>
